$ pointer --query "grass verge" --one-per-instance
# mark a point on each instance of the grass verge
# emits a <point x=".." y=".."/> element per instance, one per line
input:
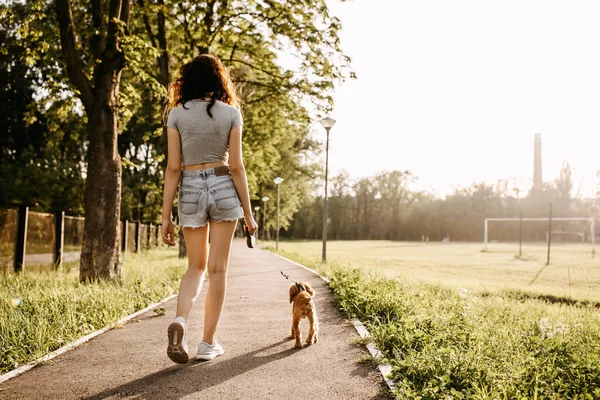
<point x="445" y="343"/>
<point x="41" y="312"/>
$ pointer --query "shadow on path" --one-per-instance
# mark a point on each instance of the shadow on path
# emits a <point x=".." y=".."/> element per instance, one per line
<point x="537" y="275"/>
<point x="182" y="380"/>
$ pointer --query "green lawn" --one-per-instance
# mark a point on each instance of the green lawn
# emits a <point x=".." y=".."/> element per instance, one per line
<point x="42" y="311"/>
<point x="448" y="320"/>
<point x="572" y="272"/>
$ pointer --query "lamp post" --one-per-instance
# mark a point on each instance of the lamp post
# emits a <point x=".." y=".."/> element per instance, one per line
<point x="265" y="199"/>
<point x="518" y="192"/>
<point x="277" y="181"/>
<point x="256" y="213"/>
<point x="327" y="124"/>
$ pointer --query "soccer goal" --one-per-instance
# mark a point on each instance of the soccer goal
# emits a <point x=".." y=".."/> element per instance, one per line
<point x="566" y="236"/>
<point x="590" y="221"/>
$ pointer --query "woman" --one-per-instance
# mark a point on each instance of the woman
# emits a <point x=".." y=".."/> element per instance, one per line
<point x="204" y="129"/>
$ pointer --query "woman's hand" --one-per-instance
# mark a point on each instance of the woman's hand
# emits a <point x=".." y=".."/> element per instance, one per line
<point x="251" y="223"/>
<point x="168" y="232"/>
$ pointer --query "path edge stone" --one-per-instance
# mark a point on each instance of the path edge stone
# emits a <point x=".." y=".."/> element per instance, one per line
<point x="80" y="341"/>
<point x="384" y="368"/>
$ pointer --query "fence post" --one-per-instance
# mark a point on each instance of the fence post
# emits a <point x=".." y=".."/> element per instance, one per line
<point x="150" y="238"/>
<point x="124" y="236"/>
<point x="521" y="233"/>
<point x="158" y="230"/>
<point x="19" y="260"/>
<point x="137" y="237"/>
<point x="59" y="238"/>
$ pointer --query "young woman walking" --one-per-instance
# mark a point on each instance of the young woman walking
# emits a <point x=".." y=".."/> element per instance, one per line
<point x="204" y="128"/>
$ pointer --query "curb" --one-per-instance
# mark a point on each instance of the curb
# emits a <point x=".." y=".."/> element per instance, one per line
<point x="384" y="368"/>
<point x="78" y="342"/>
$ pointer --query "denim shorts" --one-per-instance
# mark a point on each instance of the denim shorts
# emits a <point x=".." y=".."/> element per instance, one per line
<point x="204" y="195"/>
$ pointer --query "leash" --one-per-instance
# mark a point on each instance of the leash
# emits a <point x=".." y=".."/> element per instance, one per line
<point x="298" y="285"/>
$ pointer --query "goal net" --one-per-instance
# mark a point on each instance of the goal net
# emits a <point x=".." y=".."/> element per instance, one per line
<point x="572" y="230"/>
<point x="566" y="236"/>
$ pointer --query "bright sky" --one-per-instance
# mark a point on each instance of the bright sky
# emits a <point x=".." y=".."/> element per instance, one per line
<point x="455" y="90"/>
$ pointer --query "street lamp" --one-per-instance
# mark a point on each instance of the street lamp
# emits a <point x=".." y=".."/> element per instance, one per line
<point x="518" y="192"/>
<point x="277" y="181"/>
<point x="256" y="213"/>
<point x="264" y="199"/>
<point x="327" y="124"/>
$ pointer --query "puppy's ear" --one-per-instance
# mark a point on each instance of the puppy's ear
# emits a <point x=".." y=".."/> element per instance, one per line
<point x="293" y="292"/>
<point x="308" y="288"/>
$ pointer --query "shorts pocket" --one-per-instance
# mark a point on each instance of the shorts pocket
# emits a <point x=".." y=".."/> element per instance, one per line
<point x="189" y="202"/>
<point x="225" y="196"/>
<point x="227" y="203"/>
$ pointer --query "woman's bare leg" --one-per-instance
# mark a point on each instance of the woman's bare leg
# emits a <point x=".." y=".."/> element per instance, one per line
<point x="221" y="235"/>
<point x="196" y="241"/>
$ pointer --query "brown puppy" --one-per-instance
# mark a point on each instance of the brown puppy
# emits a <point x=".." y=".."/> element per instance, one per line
<point x="301" y="294"/>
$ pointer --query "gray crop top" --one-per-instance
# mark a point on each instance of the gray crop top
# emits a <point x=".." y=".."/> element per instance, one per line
<point x="204" y="139"/>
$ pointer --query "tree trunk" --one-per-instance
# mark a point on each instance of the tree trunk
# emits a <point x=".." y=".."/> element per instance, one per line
<point x="182" y="247"/>
<point x="101" y="251"/>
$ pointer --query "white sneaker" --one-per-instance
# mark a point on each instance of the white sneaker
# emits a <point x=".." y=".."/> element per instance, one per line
<point x="207" y="351"/>
<point x="177" y="350"/>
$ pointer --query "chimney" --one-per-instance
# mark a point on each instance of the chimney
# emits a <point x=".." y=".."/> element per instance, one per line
<point x="537" y="163"/>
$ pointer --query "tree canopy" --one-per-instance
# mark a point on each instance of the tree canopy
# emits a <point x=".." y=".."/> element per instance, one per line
<point x="93" y="75"/>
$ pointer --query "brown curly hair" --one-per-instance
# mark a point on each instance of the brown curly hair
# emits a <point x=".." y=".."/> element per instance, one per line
<point x="204" y="76"/>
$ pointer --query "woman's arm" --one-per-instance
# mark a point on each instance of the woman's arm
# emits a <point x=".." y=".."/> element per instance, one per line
<point x="238" y="174"/>
<point x="172" y="175"/>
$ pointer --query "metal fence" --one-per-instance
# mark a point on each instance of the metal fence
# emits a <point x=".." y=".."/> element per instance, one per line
<point x="35" y="239"/>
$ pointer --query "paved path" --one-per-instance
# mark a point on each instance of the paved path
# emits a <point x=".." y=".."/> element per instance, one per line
<point x="46" y="258"/>
<point x="259" y="362"/>
<point x="41" y="259"/>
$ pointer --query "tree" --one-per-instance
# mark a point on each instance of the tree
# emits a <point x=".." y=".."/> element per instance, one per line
<point x="114" y="69"/>
<point x="564" y="188"/>
<point x="41" y="151"/>
<point x="249" y="38"/>
<point x="93" y="63"/>
<point x="395" y="199"/>
<point x="340" y="208"/>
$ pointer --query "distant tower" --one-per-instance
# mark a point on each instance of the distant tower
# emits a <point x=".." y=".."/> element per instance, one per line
<point x="537" y="163"/>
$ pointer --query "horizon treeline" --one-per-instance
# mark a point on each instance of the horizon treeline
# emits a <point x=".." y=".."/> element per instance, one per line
<point x="383" y="207"/>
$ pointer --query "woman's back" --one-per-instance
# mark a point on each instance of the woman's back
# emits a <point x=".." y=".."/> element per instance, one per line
<point x="204" y="139"/>
<point x="204" y="128"/>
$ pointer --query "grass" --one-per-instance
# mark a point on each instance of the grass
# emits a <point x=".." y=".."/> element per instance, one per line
<point x="446" y="341"/>
<point x="41" y="312"/>
<point x="572" y="273"/>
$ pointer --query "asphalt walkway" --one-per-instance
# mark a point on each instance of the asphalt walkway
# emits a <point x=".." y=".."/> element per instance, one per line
<point x="259" y="361"/>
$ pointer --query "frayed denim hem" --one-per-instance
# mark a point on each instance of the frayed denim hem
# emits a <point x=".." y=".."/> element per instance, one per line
<point x="194" y="226"/>
<point x="224" y="219"/>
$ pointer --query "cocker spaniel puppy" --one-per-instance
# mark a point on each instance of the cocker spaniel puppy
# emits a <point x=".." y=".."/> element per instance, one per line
<point x="301" y="294"/>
